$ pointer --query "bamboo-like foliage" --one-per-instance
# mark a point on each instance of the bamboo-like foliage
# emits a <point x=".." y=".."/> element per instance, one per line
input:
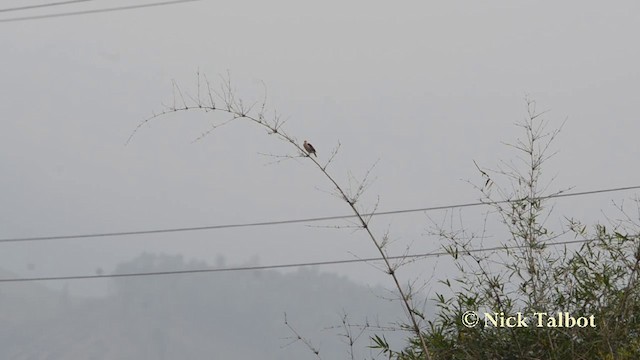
<point x="599" y="279"/>
<point x="223" y="99"/>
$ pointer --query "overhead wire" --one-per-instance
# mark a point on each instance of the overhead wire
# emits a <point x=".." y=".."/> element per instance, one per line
<point x="277" y="266"/>
<point x="95" y="11"/>
<point x="37" y="6"/>
<point x="304" y="220"/>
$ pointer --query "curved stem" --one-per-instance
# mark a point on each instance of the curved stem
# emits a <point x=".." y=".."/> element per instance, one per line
<point x="275" y="129"/>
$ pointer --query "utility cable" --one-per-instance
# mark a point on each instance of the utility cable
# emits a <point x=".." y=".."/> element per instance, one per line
<point x="29" y="7"/>
<point x="84" y="12"/>
<point x="304" y="220"/>
<point x="279" y="266"/>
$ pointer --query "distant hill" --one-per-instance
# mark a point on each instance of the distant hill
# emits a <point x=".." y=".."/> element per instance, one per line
<point x="234" y="315"/>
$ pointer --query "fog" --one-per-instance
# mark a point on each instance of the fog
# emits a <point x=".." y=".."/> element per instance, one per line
<point x="421" y="90"/>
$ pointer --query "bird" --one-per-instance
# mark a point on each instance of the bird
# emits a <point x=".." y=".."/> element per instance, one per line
<point x="310" y="149"/>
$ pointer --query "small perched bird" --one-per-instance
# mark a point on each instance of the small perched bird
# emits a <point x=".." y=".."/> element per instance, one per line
<point x="310" y="149"/>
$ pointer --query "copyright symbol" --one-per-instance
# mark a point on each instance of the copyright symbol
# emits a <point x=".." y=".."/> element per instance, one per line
<point x="470" y="319"/>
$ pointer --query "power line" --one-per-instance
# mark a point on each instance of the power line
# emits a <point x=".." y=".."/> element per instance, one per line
<point x="84" y="12"/>
<point x="278" y="266"/>
<point x="28" y="7"/>
<point x="305" y="220"/>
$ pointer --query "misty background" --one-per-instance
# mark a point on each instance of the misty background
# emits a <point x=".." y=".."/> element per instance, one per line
<point x="419" y="89"/>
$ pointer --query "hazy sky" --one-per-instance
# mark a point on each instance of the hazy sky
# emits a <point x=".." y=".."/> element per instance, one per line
<point x="425" y="87"/>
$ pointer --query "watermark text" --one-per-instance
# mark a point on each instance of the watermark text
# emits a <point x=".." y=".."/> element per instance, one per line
<point x="561" y="319"/>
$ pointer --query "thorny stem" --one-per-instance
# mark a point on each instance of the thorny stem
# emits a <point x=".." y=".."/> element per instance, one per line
<point x="237" y="111"/>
